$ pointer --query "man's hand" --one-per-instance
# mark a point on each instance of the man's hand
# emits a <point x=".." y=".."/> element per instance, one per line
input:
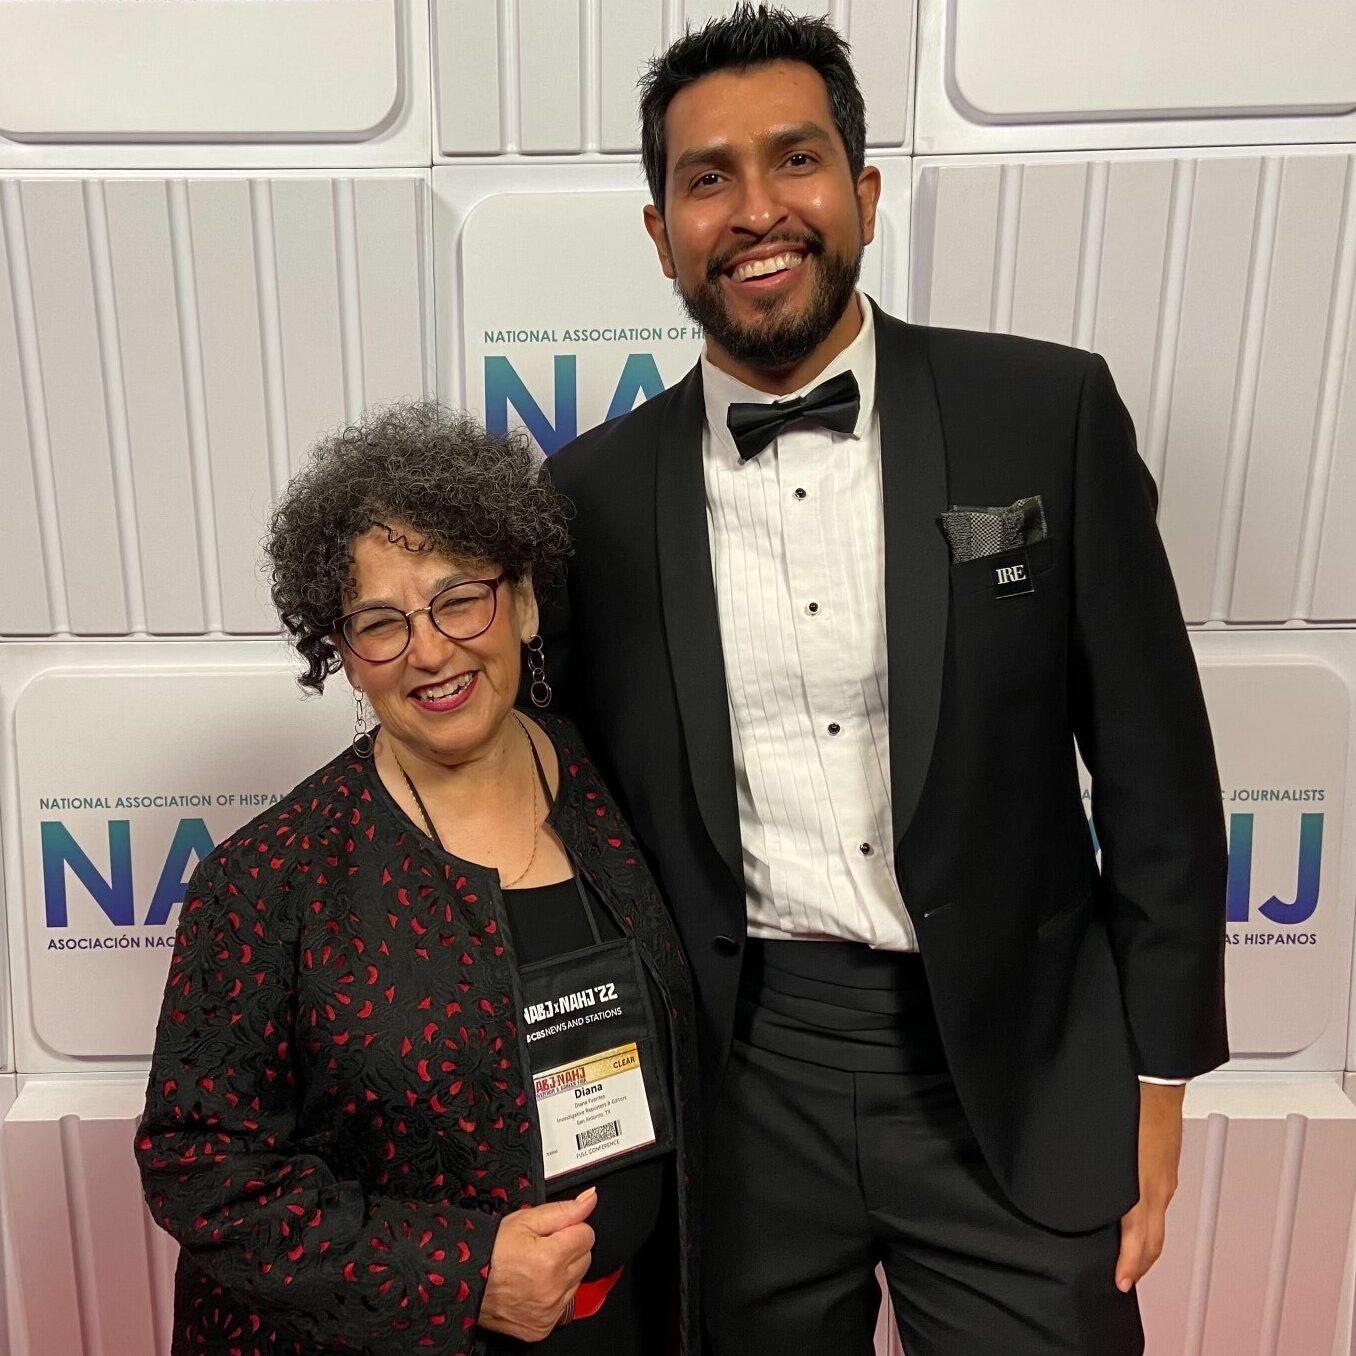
<point x="1160" y="1148"/>
<point x="540" y="1255"/>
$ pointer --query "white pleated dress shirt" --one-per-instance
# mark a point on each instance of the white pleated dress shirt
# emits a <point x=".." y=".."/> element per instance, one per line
<point x="798" y="552"/>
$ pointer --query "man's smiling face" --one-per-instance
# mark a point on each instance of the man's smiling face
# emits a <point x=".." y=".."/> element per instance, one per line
<point x="763" y="224"/>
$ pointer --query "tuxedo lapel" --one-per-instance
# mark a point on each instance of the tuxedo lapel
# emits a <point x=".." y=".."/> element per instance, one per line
<point x="691" y="623"/>
<point x="917" y="563"/>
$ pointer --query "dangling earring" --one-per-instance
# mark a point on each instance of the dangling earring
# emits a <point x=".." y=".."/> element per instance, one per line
<point x="540" y="691"/>
<point x="363" y="743"/>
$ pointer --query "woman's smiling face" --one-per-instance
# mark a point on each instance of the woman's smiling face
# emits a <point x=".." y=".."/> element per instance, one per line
<point x="442" y="700"/>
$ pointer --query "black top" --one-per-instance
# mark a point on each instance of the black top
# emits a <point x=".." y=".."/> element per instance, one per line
<point x="549" y="921"/>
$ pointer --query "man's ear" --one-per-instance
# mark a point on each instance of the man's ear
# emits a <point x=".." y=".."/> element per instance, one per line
<point x="868" y="196"/>
<point x="654" y="223"/>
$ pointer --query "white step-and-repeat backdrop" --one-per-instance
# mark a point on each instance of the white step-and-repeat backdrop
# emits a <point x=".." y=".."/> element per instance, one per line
<point x="228" y="225"/>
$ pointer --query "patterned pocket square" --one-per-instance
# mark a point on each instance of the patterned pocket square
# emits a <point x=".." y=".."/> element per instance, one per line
<point x="973" y="533"/>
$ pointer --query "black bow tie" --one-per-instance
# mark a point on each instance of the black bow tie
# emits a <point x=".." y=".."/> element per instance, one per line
<point x="833" y="403"/>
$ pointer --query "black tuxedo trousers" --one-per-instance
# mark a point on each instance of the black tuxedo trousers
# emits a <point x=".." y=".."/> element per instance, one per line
<point x="1055" y="978"/>
<point x="837" y="1144"/>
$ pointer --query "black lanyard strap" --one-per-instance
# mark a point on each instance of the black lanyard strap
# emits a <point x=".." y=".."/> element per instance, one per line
<point x="423" y="809"/>
<point x="588" y="908"/>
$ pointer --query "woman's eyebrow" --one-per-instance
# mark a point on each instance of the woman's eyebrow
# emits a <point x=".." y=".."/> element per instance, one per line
<point x="456" y="577"/>
<point x="446" y="582"/>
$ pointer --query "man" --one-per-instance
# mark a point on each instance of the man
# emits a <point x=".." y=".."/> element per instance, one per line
<point x="836" y="654"/>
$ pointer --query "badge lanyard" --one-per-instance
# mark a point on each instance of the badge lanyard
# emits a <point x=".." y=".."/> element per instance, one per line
<point x="594" y="1051"/>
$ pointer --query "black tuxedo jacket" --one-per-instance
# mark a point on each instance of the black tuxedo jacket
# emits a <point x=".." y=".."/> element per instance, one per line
<point x="1055" y="982"/>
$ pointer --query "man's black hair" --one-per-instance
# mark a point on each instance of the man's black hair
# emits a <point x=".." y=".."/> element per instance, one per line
<point x="749" y="36"/>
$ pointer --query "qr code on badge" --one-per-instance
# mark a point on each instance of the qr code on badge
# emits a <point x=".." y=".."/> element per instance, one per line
<point x="598" y="1134"/>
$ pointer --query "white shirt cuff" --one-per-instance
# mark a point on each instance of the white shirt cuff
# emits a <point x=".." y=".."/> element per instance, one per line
<point x="1165" y="1082"/>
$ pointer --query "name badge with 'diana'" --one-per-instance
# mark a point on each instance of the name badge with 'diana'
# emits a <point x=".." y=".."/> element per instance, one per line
<point x="593" y="1050"/>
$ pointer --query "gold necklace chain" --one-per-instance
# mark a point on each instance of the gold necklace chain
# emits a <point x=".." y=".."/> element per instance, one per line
<point x="536" y="817"/>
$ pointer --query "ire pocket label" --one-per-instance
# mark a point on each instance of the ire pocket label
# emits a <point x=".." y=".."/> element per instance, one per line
<point x="1011" y="573"/>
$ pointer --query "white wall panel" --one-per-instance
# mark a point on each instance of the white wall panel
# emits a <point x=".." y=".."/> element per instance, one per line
<point x="309" y="329"/>
<point x="629" y="34"/>
<point x="1136" y="203"/>
<point x="233" y="394"/>
<point x="394" y="309"/>
<point x="147" y="404"/>
<point x="558" y="77"/>
<point x="1291" y="372"/>
<point x="169" y="349"/>
<point x="210" y="722"/>
<point x="1049" y="74"/>
<point x="1281" y="708"/>
<point x="1219" y="288"/>
<point x="554" y="43"/>
<point x="520" y="254"/>
<point x="55" y="232"/>
<point x="34" y="600"/>
<point x="1045" y="263"/>
<point x="1194" y="424"/>
<point x="474" y="77"/>
<point x="1332" y="495"/>
<point x="118" y="83"/>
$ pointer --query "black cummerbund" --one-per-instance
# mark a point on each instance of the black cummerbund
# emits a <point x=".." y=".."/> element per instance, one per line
<point x="839" y="1004"/>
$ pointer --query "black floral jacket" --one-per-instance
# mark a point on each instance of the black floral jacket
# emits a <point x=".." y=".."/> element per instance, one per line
<point x="339" y="1113"/>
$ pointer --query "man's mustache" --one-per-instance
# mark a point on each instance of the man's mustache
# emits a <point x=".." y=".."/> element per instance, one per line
<point x="812" y="243"/>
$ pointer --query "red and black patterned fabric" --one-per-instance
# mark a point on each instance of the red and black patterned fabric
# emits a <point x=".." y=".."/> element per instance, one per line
<point x="338" y="1113"/>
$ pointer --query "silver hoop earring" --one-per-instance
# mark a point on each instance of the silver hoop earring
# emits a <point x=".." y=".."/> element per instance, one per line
<point x="363" y="742"/>
<point x="540" y="691"/>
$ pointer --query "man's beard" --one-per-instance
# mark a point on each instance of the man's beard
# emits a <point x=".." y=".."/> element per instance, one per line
<point x="780" y="341"/>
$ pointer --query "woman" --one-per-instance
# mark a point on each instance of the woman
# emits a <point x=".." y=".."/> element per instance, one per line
<point x="422" y="1076"/>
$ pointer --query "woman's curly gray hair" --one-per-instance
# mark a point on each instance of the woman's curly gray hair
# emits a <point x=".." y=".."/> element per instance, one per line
<point x="469" y="493"/>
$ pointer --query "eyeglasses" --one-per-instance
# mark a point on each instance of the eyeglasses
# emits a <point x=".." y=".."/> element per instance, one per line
<point x="462" y="611"/>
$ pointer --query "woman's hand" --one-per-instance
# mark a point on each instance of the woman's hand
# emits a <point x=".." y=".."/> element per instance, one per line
<point x="540" y="1255"/>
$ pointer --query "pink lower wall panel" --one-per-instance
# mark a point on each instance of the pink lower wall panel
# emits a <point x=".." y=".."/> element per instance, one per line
<point x="9" y="1340"/>
<point x="1259" y="1256"/>
<point x="94" y="1273"/>
<point x="1259" y="1235"/>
